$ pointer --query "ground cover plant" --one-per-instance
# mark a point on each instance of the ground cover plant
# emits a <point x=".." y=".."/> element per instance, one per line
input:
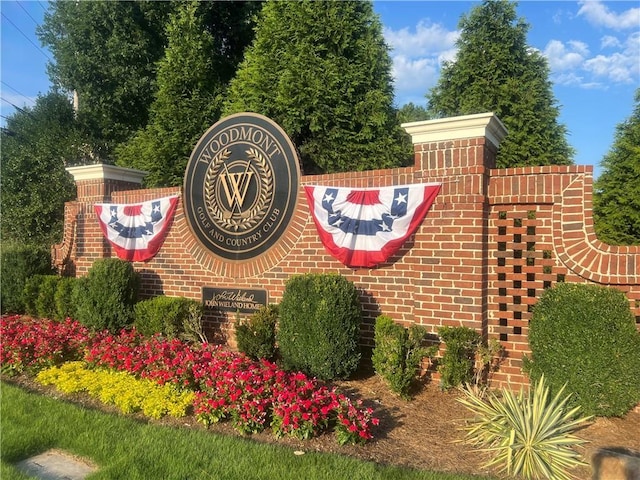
<point x="423" y="434"/>
<point x="226" y="385"/>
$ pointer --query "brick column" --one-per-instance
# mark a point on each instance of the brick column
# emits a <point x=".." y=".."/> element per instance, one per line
<point x="459" y="152"/>
<point x="95" y="184"/>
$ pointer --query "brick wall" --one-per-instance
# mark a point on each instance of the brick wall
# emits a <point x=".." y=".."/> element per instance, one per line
<point x="491" y="243"/>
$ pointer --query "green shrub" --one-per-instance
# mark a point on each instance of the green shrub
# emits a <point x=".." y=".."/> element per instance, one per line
<point x="319" y="327"/>
<point x="457" y="364"/>
<point x="38" y="294"/>
<point x="585" y="335"/>
<point x="30" y="294"/>
<point x="164" y="315"/>
<point x="63" y="299"/>
<point x="529" y="435"/>
<point x="256" y="336"/>
<point x="19" y="262"/>
<point x="398" y="353"/>
<point x="45" y="301"/>
<point x="105" y="300"/>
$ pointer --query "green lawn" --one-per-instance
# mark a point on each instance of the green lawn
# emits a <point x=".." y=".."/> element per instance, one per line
<point x="124" y="448"/>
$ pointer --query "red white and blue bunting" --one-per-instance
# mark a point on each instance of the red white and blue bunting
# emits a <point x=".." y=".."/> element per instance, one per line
<point x="136" y="231"/>
<point x="365" y="227"/>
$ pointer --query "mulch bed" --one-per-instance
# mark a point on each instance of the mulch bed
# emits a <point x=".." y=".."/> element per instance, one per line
<point x="421" y="433"/>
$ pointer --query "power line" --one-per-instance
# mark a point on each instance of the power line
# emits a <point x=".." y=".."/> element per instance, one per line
<point x="25" y="11"/>
<point x="19" y="93"/>
<point x="22" y="110"/>
<point x="30" y="41"/>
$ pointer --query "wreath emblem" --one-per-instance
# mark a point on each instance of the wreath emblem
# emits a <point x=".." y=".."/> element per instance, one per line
<point x="244" y="219"/>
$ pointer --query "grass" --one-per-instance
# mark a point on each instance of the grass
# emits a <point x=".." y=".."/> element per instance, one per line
<point x="123" y="447"/>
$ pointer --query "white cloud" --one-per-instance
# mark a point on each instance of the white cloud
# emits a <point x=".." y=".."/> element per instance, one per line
<point x="413" y="75"/>
<point x="427" y="39"/>
<point x="598" y="14"/>
<point x="609" y="41"/>
<point x="620" y="67"/>
<point x="572" y="64"/>
<point x="615" y="67"/>
<point x="417" y="55"/>
<point x="565" y="56"/>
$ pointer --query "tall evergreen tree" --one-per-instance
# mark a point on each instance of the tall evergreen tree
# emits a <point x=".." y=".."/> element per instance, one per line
<point x="496" y="71"/>
<point x="616" y="200"/>
<point x="36" y="144"/>
<point x="322" y="71"/>
<point x="187" y="103"/>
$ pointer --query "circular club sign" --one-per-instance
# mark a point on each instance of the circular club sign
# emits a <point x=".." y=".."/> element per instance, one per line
<point x="241" y="186"/>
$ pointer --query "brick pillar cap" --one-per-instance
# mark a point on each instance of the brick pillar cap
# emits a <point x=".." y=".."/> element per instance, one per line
<point x="486" y="125"/>
<point x="106" y="172"/>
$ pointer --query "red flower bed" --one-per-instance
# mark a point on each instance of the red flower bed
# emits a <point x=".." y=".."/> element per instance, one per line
<point x="228" y="385"/>
<point x="30" y="345"/>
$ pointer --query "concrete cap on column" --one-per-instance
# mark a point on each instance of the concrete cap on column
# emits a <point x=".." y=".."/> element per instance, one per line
<point x="106" y="172"/>
<point x="485" y="125"/>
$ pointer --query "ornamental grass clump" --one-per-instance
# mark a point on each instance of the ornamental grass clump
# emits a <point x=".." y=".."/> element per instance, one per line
<point x="528" y="434"/>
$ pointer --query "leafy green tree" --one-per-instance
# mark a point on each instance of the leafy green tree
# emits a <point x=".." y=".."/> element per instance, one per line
<point x="107" y="53"/>
<point x="411" y="112"/>
<point x="322" y="71"/>
<point x="496" y="71"/>
<point x="187" y="103"/>
<point x="616" y="200"/>
<point x="36" y="143"/>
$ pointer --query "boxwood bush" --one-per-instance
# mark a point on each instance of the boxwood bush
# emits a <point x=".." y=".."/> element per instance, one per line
<point x="398" y="353"/>
<point x="319" y="329"/>
<point x="45" y="301"/>
<point x="105" y="300"/>
<point x="585" y="335"/>
<point x="164" y="315"/>
<point x="457" y="364"/>
<point x="256" y="335"/>
<point x="63" y="298"/>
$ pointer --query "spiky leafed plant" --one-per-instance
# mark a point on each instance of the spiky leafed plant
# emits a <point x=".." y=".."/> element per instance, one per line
<point x="529" y="432"/>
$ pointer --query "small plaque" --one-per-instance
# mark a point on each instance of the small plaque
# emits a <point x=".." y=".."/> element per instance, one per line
<point x="234" y="299"/>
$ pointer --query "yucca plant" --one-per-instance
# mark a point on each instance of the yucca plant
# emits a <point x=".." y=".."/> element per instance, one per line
<point x="529" y="432"/>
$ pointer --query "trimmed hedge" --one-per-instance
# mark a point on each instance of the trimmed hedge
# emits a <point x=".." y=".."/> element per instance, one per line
<point x="105" y="300"/>
<point x="63" y="299"/>
<point x="19" y="262"/>
<point x="585" y="336"/>
<point x="319" y="329"/>
<point x="164" y="315"/>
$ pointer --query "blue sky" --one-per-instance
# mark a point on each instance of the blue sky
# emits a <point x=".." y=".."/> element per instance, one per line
<point x="593" y="49"/>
